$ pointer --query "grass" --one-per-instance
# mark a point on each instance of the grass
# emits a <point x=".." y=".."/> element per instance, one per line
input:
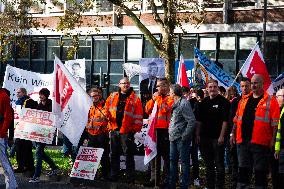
<point x="64" y="163"/>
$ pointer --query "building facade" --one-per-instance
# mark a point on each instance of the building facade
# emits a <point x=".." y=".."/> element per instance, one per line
<point x="231" y="28"/>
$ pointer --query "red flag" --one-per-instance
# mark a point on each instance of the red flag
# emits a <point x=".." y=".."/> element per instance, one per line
<point x="182" y="79"/>
<point x="255" y="64"/>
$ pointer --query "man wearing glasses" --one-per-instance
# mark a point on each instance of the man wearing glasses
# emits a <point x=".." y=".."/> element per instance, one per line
<point x="125" y="114"/>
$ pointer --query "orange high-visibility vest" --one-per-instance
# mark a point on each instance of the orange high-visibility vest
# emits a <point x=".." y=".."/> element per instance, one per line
<point x="133" y="113"/>
<point x="97" y="121"/>
<point x="266" y="119"/>
<point x="163" y="112"/>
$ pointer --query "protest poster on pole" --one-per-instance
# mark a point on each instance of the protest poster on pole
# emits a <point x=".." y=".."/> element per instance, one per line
<point x="87" y="162"/>
<point x="35" y="125"/>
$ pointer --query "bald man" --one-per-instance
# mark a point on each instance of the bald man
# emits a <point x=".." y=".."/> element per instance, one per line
<point x="256" y="123"/>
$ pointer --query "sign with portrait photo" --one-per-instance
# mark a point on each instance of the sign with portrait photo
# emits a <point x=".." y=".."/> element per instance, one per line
<point x="77" y="69"/>
<point x="151" y="70"/>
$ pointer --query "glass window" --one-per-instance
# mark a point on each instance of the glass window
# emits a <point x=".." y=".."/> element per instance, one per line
<point x="50" y="66"/>
<point x="246" y="44"/>
<point x="134" y="49"/>
<point x="37" y="66"/>
<point x="37" y="7"/>
<point x="100" y="48"/>
<point x="85" y="48"/>
<point x="67" y="43"/>
<point x="23" y="64"/>
<point x="116" y="67"/>
<point x="100" y="65"/>
<point x="53" y="47"/>
<point x="208" y="46"/>
<point x="38" y="48"/>
<point x="187" y="47"/>
<point x="149" y="50"/>
<point x="117" y="48"/>
<point x="227" y="54"/>
<point x="271" y="56"/>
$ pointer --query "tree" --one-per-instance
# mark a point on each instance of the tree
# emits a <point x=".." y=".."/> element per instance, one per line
<point x="168" y="20"/>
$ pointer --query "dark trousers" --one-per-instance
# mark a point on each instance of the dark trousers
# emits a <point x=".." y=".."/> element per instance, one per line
<point x="24" y="154"/>
<point x="42" y="156"/>
<point x="194" y="158"/>
<point x="234" y="166"/>
<point x="163" y="151"/>
<point x="122" y="143"/>
<point x="213" y="156"/>
<point x="68" y="148"/>
<point x="101" y="141"/>
<point x="253" y="157"/>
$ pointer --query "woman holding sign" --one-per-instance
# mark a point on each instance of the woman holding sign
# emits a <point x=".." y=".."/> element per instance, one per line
<point x="45" y="104"/>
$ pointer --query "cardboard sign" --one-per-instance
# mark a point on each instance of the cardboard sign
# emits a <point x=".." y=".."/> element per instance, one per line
<point x="35" y="125"/>
<point x="87" y="162"/>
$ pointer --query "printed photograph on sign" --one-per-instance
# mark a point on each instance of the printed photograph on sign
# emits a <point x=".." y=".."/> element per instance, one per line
<point x="77" y="69"/>
<point x="151" y="70"/>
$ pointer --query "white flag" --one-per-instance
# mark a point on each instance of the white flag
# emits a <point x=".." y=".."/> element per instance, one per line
<point x="71" y="103"/>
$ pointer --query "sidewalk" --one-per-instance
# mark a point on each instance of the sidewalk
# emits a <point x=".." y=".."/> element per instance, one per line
<point x="63" y="182"/>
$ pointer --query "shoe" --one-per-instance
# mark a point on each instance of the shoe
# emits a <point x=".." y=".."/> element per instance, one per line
<point x="52" y="172"/>
<point x="196" y="182"/>
<point x="34" y="180"/>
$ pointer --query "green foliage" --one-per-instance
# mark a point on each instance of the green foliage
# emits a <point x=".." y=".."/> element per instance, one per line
<point x="64" y="164"/>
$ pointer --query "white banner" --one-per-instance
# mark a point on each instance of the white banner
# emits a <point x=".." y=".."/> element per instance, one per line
<point x="87" y="162"/>
<point x="35" y="125"/>
<point x="17" y="78"/>
<point x="71" y="103"/>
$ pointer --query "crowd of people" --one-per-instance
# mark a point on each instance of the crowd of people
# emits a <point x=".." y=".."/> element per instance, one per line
<point x="238" y="135"/>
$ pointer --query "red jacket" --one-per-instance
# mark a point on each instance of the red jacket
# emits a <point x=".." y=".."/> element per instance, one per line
<point x="6" y="115"/>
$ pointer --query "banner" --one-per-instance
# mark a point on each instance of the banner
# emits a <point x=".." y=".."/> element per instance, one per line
<point x="255" y="64"/>
<point x="71" y="103"/>
<point x="222" y="77"/>
<point x="16" y="78"/>
<point x="278" y="83"/>
<point x="77" y="69"/>
<point x="35" y="125"/>
<point x="87" y="162"/>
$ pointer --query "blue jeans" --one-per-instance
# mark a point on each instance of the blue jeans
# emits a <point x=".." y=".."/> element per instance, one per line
<point x="179" y="149"/>
<point x="10" y="179"/>
<point x="41" y="155"/>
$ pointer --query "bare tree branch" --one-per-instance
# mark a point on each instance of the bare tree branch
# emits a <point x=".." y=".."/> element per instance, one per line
<point x="156" y="16"/>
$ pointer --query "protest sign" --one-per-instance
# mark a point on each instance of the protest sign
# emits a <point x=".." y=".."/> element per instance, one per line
<point x="35" y="125"/>
<point x="140" y="136"/>
<point x="87" y="162"/>
<point x="16" y="78"/>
